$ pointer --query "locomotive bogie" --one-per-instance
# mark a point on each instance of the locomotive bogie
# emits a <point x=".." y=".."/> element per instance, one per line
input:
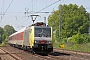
<point x="43" y="48"/>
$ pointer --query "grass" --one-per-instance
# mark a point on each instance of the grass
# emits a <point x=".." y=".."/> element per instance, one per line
<point x="3" y="44"/>
<point x="56" y="45"/>
<point x="76" y="47"/>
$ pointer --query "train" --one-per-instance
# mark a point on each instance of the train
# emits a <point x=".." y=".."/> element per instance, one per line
<point x="35" y="38"/>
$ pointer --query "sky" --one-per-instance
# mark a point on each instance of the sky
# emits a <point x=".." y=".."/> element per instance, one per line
<point x="14" y="10"/>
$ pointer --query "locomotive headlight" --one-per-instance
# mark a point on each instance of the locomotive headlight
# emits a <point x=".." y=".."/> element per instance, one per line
<point x="36" y="41"/>
<point x="49" y="41"/>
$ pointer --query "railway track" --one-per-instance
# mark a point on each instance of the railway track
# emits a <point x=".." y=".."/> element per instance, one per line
<point x="49" y="57"/>
<point x="53" y="56"/>
<point x="56" y="55"/>
<point x="5" y="55"/>
<point x="25" y="55"/>
<point x="77" y="54"/>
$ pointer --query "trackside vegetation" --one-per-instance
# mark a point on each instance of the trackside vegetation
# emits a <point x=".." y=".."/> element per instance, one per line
<point x="4" y="34"/>
<point x="75" y="25"/>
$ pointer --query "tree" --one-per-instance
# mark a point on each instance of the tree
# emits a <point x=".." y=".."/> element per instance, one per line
<point x="75" y="20"/>
<point x="8" y="30"/>
<point x="1" y="32"/>
<point x="79" y="38"/>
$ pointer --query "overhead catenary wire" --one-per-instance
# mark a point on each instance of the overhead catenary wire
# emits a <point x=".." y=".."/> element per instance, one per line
<point x="31" y="12"/>
<point x="23" y="22"/>
<point x="12" y="12"/>
<point x="30" y="3"/>
<point x="6" y="9"/>
<point x="2" y="10"/>
<point x="49" y="5"/>
<point x="45" y="8"/>
<point x="26" y="11"/>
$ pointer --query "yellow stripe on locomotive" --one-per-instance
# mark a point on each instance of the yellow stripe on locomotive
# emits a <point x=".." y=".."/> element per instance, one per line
<point x="31" y="39"/>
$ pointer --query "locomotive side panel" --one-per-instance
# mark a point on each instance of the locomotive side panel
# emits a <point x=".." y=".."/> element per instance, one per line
<point x="51" y="37"/>
<point x="26" y="37"/>
<point x="31" y="38"/>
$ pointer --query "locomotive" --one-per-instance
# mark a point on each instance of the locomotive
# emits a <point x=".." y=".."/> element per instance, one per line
<point x="34" y="38"/>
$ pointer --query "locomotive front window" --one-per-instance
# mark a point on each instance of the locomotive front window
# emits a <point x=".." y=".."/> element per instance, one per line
<point x="45" y="32"/>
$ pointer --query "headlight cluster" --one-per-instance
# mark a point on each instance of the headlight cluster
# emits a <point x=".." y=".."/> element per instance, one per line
<point x="49" y="41"/>
<point x="36" y="41"/>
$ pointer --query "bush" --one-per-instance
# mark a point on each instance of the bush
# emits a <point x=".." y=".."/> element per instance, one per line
<point x="64" y="40"/>
<point x="80" y="38"/>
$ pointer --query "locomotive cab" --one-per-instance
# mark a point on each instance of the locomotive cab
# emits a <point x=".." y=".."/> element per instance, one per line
<point x="42" y="39"/>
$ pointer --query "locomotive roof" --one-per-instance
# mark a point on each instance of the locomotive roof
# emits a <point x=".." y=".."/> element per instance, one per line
<point x="18" y="31"/>
<point x="38" y="24"/>
<point x="41" y="24"/>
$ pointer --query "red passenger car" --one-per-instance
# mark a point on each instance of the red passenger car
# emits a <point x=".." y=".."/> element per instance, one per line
<point x="17" y="38"/>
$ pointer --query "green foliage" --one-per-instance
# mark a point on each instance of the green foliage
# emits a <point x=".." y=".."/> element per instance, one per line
<point x="5" y="32"/>
<point x="79" y="38"/>
<point x="75" y="20"/>
<point x="64" y="40"/>
<point x="78" y="47"/>
<point x="9" y="30"/>
<point x="3" y="36"/>
<point x="75" y="26"/>
<point x="1" y="30"/>
<point x="1" y="33"/>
